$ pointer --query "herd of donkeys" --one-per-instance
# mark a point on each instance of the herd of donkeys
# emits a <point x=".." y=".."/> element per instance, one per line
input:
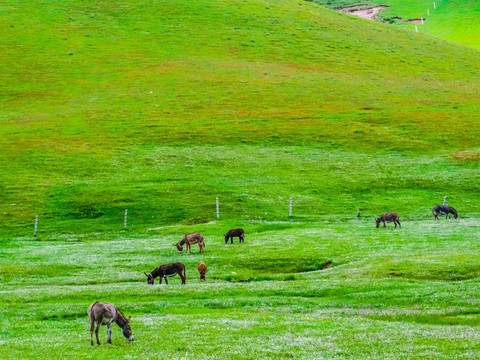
<point x="106" y="313"/>
<point x="437" y="210"/>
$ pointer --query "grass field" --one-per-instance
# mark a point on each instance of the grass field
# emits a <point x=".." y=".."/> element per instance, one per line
<point x="451" y="20"/>
<point x="161" y="107"/>
<point x="410" y="292"/>
<point x="389" y="293"/>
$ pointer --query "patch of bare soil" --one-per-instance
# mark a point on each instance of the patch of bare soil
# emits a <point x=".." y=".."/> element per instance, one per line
<point x="326" y="265"/>
<point x="414" y="20"/>
<point x="366" y="13"/>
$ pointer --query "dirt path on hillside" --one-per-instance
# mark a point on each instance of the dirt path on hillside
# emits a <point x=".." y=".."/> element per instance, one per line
<point x="366" y="13"/>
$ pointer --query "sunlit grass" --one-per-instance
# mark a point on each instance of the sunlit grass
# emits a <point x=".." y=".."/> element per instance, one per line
<point x="451" y="20"/>
<point x="409" y="291"/>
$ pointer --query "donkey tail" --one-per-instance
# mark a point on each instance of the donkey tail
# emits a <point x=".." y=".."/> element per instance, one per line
<point x="91" y="315"/>
<point x="183" y="275"/>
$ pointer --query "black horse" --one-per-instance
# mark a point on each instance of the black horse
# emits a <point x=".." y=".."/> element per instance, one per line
<point x="444" y="209"/>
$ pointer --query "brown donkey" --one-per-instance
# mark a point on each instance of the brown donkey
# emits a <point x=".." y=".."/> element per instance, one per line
<point x="105" y="314"/>
<point x="388" y="217"/>
<point x="167" y="270"/>
<point x="202" y="269"/>
<point x="189" y="239"/>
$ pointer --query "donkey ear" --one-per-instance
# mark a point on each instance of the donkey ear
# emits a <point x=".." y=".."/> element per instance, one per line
<point x="145" y="274"/>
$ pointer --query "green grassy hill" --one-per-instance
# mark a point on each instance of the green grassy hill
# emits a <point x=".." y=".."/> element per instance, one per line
<point x="453" y="20"/>
<point x="162" y="107"/>
<point x="456" y="21"/>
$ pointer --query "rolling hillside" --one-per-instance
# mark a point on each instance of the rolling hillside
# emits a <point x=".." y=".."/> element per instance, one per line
<point x="162" y="107"/>
<point x="452" y="20"/>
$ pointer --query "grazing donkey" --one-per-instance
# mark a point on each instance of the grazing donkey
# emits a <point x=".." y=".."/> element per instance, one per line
<point x="235" y="233"/>
<point x="444" y="209"/>
<point x="167" y="270"/>
<point x="202" y="269"/>
<point x="105" y="314"/>
<point x="389" y="217"/>
<point x="188" y="240"/>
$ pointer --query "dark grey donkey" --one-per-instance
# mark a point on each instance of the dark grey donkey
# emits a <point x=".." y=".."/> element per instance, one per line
<point x="106" y="314"/>
<point x="235" y="233"/>
<point x="444" y="209"/>
<point x="167" y="270"/>
<point x="388" y="217"/>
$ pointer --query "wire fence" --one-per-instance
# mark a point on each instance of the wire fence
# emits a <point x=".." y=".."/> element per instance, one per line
<point x="241" y="211"/>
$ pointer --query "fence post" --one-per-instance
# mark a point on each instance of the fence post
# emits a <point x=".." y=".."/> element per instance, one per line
<point x="445" y="200"/>
<point x="125" y="221"/>
<point x="36" y="224"/>
<point x="290" y="207"/>
<point x="218" y="209"/>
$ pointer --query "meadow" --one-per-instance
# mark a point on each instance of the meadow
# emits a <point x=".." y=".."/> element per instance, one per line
<point x="161" y="107"/>
<point x="409" y="292"/>
<point x="451" y="20"/>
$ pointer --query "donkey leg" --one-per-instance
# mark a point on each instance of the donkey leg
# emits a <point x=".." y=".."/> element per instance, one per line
<point x="96" y="332"/>
<point x="384" y="224"/>
<point x="92" y="327"/>
<point x="398" y="221"/>
<point x="109" y="333"/>
<point x="166" y="281"/>
<point x="395" y="223"/>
